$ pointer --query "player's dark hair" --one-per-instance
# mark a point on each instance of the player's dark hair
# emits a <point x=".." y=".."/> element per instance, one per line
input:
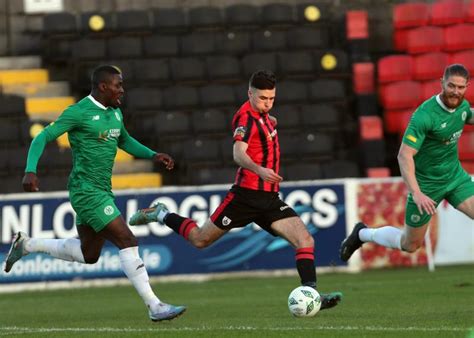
<point x="103" y="73"/>
<point x="262" y="79"/>
<point x="456" y="69"/>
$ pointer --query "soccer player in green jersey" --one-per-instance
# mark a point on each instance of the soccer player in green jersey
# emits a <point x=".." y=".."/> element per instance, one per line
<point x="430" y="167"/>
<point x="95" y="129"/>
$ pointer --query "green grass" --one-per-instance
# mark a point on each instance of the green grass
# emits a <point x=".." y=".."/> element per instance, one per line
<point x="384" y="303"/>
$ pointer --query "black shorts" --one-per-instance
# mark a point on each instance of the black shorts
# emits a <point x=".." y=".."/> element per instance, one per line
<point x="243" y="206"/>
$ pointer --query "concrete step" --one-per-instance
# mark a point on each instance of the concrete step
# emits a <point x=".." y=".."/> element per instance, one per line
<point x="136" y="181"/>
<point x="47" y="108"/>
<point x="48" y="89"/>
<point x="20" y="62"/>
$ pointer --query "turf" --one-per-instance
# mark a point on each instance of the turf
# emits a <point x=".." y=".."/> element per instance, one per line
<point x="383" y="303"/>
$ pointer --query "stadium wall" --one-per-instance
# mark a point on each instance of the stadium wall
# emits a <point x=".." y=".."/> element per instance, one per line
<point x="329" y="208"/>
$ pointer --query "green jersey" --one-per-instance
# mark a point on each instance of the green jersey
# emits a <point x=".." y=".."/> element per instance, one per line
<point x="434" y="131"/>
<point x="94" y="133"/>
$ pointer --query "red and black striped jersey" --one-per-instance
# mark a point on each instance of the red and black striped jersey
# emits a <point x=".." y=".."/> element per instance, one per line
<point x="257" y="131"/>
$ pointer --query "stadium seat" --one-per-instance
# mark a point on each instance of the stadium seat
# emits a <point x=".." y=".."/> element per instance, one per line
<point x="198" y="43"/>
<point x="152" y="71"/>
<point x="464" y="57"/>
<point x="327" y="90"/>
<point x="429" y="66"/>
<point x="394" y="68"/>
<point x="407" y="15"/>
<point x="296" y="63"/>
<point x="340" y="169"/>
<point x="469" y="95"/>
<point x="466" y="146"/>
<point x="217" y="95"/>
<point x="205" y="175"/>
<point x="458" y="37"/>
<point x="332" y="61"/>
<point x="363" y="77"/>
<point x="223" y="68"/>
<point x="292" y="91"/>
<point x="241" y="93"/>
<point x="205" y="17"/>
<point x="320" y="116"/>
<point x="430" y="88"/>
<point x="366" y="105"/>
<point x="424" y="40"/>
<point x="89" y="49"/>
<point x="308" y="38"/>
<point x="242" y="16"/>
<point x="372" y="153"/>
<point x="268" y="40"/>
<point x="396" y="121"/>
<point x="302" y="171"/>
<point x="199" y="150"/>
<point x="122" y="47"/>
<point x="171" y="19"/>
<point x="187" y="69"/>
<point x="468" y="166"/>
<point x="370" y="128"/>
<point x="9" y="133"/>
<point x="447" y="12"/>
<point x="378" y="172"/>
<point x="133" y="20"/>
<point x="160" y="45"/>
<point x="469" y="11"/>
<point x="288" y="116"/>
<point x="144" y="98"/>
<point x="180" y="96"/>
<point x="226" y="145"/>
<point x="234" y="43"/>
<point x="12" y="106"/>
<point x="280" y="14"/>
<point x="174" y="123"/>
<point x="210" y="121"/>
<point x="313" y="13"/>
<point x="314" y="145"/>
<point x="400" y="95"/>
<point x="254" y="61"/>
<point x="60" y="23"/>
<point x="97" y="23"/>
<point x="400" y="39"/>
<point x="357" y="25"/>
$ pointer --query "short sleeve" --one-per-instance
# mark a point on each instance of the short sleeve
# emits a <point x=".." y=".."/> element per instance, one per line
<point x="419" y="125"/>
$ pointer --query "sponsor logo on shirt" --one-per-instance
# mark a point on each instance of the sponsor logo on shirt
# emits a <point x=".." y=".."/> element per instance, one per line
<point x="454" y="138"/>
<point x="412" y="138"/>
<point x="240" y="131"/>
<point x="109" y="134"/>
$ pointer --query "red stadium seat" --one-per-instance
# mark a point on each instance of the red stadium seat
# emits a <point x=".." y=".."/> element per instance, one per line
<point x="458" y="37"/>
<point x="424" y="40"/>
<point x="447" y="12"/>
<point x="468" y="166"/>
<point x="466" y="146"/>
<point x="363" y="77"/>
<point x="469" y="11"/>
<point x="429" y="66"/>
<point x="411" y="15"/>
<point x="430" y="88"/>
<point x="469" y="95"/>
<point x="378" y="172"/>
<point x="394" y="68"/>
<point x="370" y="128"/>
<point x="400" y="39"/>
<point x="357" y="25"/>
<point x="465" y="57"/>
<point x="396" y="121"/>
<point x="400" y="95"/>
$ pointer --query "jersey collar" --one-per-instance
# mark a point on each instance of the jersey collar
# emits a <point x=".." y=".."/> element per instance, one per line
<point x="97" y="103"/>
<point x="440" y="102"/>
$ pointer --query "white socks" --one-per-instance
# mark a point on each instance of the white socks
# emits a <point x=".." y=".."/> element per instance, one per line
<point x="161" y="215"/>
<point x="135" y="270"/>
<point x="387" y="236"/>
<point x="65" y="249"/>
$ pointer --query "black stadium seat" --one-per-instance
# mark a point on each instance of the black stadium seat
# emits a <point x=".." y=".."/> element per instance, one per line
<point x="60" y="23"/>
<point x="254" y="61"/>
<point x="223" y="68"/>
<point x="198" y="44"/>
<point x="210" y="121"/>
<point x="233" y="42"/>
<point x="169" y="20"/>
<point x="180" y="96"/>
<point x="308" y="38"/>
<point x="152" y="70"/>
<point x="174" y="123"/>
<point x="160" y="45"/>
<point x="129" y="21"/>
<point x="268" y="40"/>
<point x="242" y="16"/>
<point x="320" y="115"/>
<point x="144" y="98"/>
<point x="296" y="63"/>
<point x="124" y="47"/>
<point x="97" y="23"/>
<point x="89" y="49"/>
<point x="277" y="14"/>
<point x="292" y="92"/>
<point x="219" y="95"/>
<point x="201" y="150"/>
<point x="205" y="17"/>
<point x="188" y="68"/>
<point x="327" y="90"/>
<point x="302" y="171"/>
<point x="340" y="169"/>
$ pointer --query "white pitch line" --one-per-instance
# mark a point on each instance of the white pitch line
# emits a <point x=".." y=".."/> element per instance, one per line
<point x="19" y="330"/>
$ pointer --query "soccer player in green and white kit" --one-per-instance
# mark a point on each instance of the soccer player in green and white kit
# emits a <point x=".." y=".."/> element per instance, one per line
<point x="95" y="129"/>
<point x="430" y="167"/>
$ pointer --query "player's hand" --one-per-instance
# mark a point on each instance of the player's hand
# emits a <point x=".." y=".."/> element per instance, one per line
<point x="424" y="203"/>
<point x="273" y="120"/>
<point x="30" y="182"/>
<point x="166" y="159"/>
<point x="269" y="175"/>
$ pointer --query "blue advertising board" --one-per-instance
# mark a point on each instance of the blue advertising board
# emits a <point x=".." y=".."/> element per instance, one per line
<point x="320" y="205"/>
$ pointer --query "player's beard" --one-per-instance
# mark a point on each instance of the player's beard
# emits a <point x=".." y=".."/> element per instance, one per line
<point x="452" y="101"/>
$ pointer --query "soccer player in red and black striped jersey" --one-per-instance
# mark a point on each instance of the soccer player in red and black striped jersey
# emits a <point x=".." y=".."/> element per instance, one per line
<point x="254" y="195"/>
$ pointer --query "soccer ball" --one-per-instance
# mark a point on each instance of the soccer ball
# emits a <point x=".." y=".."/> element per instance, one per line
<point x="304" y="301"/>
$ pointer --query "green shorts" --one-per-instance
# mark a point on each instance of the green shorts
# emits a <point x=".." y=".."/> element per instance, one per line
<point x="94" y="207"/>
<point x="455" y="192"/>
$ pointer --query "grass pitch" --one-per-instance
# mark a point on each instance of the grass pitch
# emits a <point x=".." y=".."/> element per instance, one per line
<point x="385" y="303"/>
